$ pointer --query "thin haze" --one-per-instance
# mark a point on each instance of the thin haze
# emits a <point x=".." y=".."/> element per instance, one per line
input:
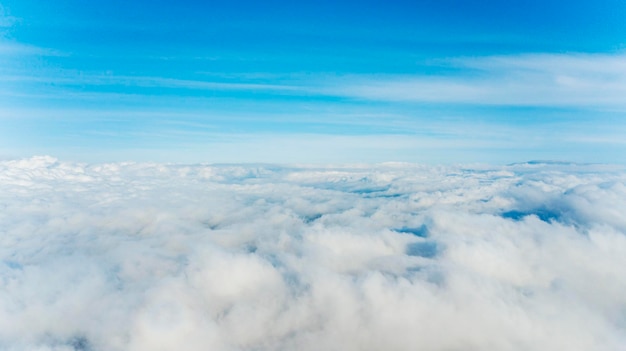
<point x="283" y="81"/>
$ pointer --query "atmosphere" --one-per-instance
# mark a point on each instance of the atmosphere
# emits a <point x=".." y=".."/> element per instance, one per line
<point x="312" y="176"/>
<point x="278" y="81"/>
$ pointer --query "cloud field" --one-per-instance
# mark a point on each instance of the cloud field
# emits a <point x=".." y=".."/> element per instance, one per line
<point x="138" y="256"/>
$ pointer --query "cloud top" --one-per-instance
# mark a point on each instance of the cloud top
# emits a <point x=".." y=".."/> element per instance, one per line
<point x="138" y="256"/>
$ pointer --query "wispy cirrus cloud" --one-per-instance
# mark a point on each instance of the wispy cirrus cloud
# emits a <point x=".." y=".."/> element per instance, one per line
<point x="88" y="83"/>
<point x="543" y="80"/>
<point x="15" y="49"/>
<point x="419" y="117"/>
<point x="11" y="48"/>
<point x="574" y="80"/>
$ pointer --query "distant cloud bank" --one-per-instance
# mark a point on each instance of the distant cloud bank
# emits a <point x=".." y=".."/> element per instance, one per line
<point x="142" y="256"/>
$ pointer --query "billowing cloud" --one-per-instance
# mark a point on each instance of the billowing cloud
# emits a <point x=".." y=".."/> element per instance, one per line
<point x="138" y="256"/>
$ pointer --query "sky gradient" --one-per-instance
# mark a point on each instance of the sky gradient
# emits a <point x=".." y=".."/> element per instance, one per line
<point x="278" y="81"/>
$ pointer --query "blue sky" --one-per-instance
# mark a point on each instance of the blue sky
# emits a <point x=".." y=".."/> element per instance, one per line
<point x="279" y="81"/>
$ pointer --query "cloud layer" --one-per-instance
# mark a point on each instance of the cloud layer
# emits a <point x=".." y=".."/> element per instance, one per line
<point x="133" y="256"/>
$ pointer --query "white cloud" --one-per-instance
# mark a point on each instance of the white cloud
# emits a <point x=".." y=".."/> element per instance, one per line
<point x="577" y="80"/>
<point x="138" y="256"/>
<point x="562" y="80"/>
<point x="13" y="49"/>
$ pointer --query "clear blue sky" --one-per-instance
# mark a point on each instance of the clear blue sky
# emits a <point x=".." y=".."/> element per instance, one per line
<point x="319" y="81"/>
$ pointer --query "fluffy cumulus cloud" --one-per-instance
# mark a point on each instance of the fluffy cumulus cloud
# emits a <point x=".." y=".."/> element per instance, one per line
<point x="132" y="256"/>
